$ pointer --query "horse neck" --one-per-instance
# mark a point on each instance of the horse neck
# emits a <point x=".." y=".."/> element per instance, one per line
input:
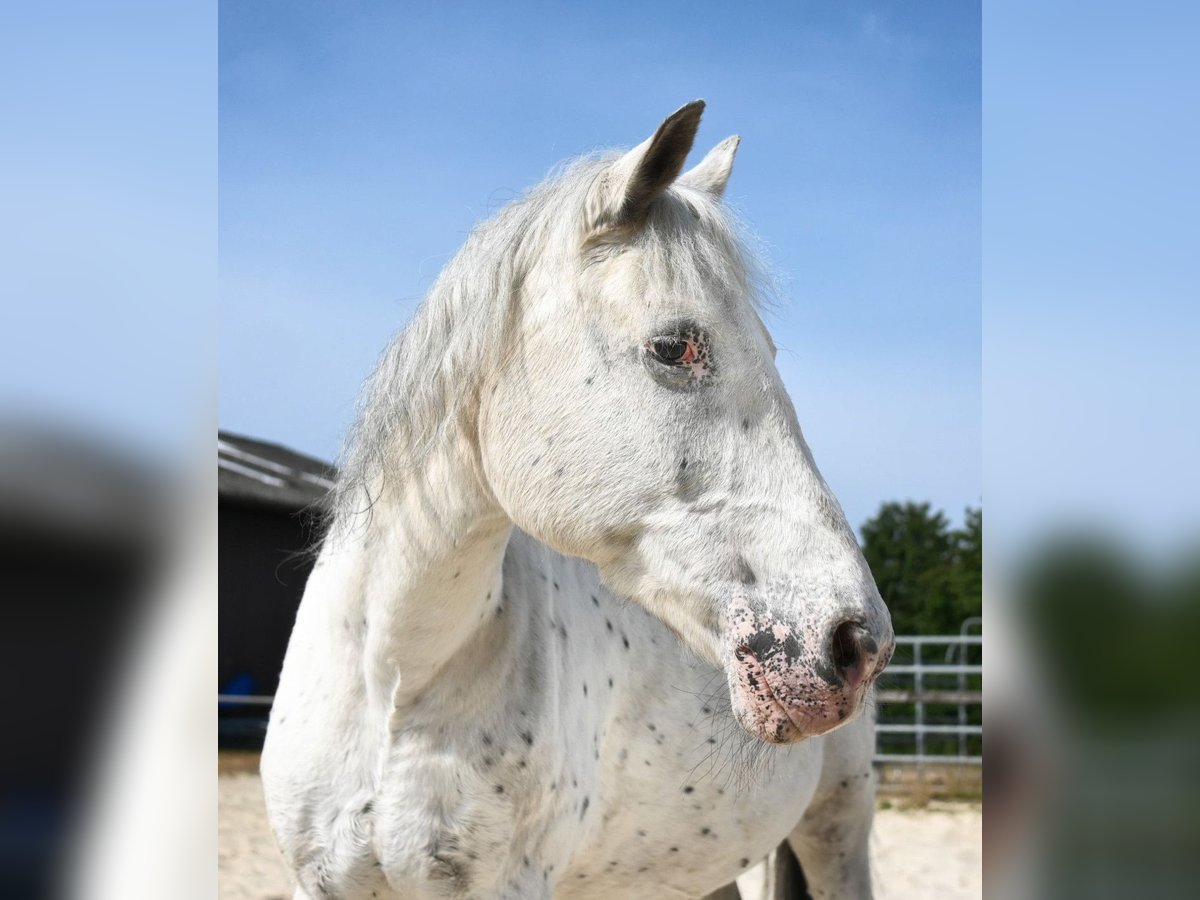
<point x="426" y="565"/>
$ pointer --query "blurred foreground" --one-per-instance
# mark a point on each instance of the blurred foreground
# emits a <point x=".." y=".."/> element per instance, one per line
<point x="106" y="665"/>
<point x="1093" y="723"/>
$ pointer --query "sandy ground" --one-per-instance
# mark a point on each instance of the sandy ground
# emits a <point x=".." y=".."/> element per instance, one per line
<point x="934" y="852"/>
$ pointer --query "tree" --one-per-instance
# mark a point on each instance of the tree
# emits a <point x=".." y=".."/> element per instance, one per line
<point x="929" y="575"/>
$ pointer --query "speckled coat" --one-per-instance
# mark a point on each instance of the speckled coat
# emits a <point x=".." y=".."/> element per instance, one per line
<point x="603" y="632"/>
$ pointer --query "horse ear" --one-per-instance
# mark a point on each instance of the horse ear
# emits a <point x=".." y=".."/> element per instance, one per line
<point x="647" y="170"/>
<point x="711" y="174"/>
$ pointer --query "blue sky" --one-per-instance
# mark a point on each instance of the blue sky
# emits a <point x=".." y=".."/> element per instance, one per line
<point x="360" y="142"/>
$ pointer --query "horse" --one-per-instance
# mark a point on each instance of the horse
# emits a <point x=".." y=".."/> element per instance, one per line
<point x="586" y="621"/>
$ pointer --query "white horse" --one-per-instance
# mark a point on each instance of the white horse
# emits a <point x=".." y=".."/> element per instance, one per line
<point x="587" y="616"/>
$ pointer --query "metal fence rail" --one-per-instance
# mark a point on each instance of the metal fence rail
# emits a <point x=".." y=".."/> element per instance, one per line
<point x="942" y="671"/>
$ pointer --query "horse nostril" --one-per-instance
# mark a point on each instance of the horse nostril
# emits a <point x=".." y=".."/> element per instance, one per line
<point x="847" y="639"/>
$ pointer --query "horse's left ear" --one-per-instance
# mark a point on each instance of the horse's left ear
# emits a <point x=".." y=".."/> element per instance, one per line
<point x="711" y="174"/>
<point x="646" y="171"/>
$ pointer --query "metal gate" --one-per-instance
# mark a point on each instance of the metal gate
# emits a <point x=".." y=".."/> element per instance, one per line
<point x="931" y="700"/>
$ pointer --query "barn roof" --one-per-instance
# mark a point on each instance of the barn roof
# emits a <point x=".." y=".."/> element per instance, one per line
<point x="262" y="473"/>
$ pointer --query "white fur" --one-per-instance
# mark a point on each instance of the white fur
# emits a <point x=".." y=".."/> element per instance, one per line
<point x="471" y="706"/>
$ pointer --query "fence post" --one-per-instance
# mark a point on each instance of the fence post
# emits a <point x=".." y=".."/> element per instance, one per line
<point x="919" y="688"/>
<point x="964" y="660"/>
<point x="962" y="687"/>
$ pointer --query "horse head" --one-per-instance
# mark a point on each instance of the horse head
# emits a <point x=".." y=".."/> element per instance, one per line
<point x="635" y="417"/>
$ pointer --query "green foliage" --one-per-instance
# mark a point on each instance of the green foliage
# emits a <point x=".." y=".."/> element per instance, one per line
<point x="930" y="575"/>
<point x="1115" y="633"/>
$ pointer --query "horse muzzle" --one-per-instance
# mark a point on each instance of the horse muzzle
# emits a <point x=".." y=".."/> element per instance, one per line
<point x="788" y="682"/>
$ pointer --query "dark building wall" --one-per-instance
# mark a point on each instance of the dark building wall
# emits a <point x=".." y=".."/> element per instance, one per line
<point x="263" y="572"/>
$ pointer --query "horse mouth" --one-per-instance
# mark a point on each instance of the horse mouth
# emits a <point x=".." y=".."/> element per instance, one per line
<point x="756" y="705"/>
<point x="787" y="706"/>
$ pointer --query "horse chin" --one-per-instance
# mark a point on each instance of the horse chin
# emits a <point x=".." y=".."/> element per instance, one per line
<point x="755" y="705"/>
<point x="761" y="714"/>
<point x="767" y="722"/>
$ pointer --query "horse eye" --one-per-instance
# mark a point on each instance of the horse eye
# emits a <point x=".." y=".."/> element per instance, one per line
<point x="672" y="350"/>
